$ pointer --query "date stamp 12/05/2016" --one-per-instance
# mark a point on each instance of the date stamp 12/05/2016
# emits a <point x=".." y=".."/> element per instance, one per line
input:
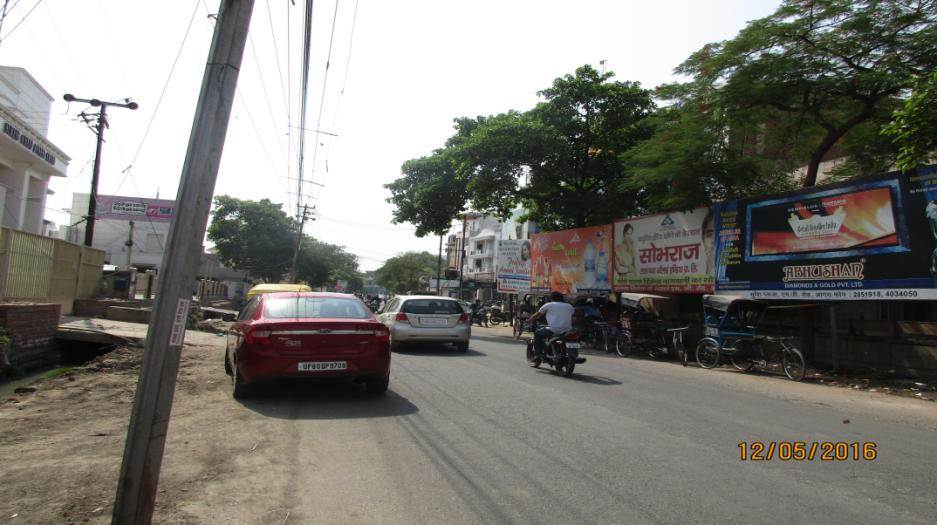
<point x="808" y="451"/>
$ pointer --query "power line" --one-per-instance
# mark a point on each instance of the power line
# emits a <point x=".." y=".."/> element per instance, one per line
<point x="304" y="90"/>
<point x="159" y="101"/>
<point x="110" y="35"/>
<point x="31" y="9"/>
<point x="65" y="47"/>
<point x="267" y="98"/>
<point x="276" y="54"/>
<point x="351" y="41"/>
<point x="325" y="79"/>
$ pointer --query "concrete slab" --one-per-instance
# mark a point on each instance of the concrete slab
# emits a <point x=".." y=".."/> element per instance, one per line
<point x="107" y="331"/>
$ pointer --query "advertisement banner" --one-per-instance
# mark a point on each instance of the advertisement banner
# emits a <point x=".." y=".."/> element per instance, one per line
<point x="669" y="252"/>
<point x="872" y="238"/>
<point x="577" y="261"/>
<point x="133" y="208"/>
<point x="514" y="266"/>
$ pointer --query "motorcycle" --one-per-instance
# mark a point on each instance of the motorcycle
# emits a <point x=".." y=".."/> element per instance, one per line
<point x="562" y="353"/>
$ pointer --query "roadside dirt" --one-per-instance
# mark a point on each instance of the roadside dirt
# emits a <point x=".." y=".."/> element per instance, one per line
<point x="61" y="444"/>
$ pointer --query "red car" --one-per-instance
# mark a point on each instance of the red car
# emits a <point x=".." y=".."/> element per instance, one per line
<point x="307" y="335"/>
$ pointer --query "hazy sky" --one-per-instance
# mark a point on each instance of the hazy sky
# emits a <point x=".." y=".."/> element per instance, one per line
<point x="414" y="66"/>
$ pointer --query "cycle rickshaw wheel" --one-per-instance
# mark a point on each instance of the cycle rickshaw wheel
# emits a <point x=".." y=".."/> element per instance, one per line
<point x="707" y="354"/>
<point x="795" y="368"/>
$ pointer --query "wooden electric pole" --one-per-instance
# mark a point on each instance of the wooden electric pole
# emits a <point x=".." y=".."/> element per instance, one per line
<point x="95" y="174"/>
<point x="129" y="245"/>
<point x="152" y="405"/>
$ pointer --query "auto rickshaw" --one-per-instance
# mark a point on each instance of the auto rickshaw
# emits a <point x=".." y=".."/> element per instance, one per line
<point x="642" y="329"/>
<point x="731" y="330"/>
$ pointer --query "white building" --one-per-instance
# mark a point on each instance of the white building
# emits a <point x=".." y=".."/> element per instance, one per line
<point x="27" y="159"/>
<point x="113" y="214"/>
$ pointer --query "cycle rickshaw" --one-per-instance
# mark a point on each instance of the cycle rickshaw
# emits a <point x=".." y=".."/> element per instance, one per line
<point x="642" y="329"/>
<point x="731" y="330"/>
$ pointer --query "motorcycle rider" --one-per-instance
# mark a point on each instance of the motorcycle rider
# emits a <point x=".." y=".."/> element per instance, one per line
<point x="478" y="313"/>
<point x="559" y="316"/>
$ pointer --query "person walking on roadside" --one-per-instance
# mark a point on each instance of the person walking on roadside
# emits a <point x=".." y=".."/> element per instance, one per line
<point x="559" y="315"/>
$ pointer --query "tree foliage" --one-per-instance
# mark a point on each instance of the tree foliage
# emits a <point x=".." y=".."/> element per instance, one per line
<point x="404" y="273"/>
<point x="914" y="129"/>
<point x="566" y="148"/>
<point x="254" y="236"/>
<point x="806" y="76"/>
<point x="259" y="237"/>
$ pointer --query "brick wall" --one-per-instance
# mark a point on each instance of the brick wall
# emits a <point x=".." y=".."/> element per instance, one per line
<point x="31" y="328"/>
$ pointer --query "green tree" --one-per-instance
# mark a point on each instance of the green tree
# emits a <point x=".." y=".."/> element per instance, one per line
<point x="914" y="128"/>
<point x="803" y="78"/>
<point x="254" y="236"/>
<point x="567" y="148"/>
<point x="404" y="273"/>
<point x="321" y="264"/>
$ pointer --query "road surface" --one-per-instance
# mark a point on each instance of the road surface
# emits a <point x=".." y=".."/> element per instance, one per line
<point x="482" y="438"/>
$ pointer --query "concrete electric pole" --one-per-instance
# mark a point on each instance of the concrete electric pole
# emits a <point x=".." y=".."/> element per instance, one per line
<point x="102" y="123"/>
<point x="149" y="419"/>
<point x="299" y="242"/>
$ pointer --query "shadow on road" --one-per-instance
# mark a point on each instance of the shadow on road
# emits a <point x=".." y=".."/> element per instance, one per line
<point x="418" y="349"/>
<point x="327" y="399"/>
<point x="499" y="339"/>
<point x="582" y="378"/>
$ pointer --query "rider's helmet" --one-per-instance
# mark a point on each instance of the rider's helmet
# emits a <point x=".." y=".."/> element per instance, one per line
<point x="556" y="297"/>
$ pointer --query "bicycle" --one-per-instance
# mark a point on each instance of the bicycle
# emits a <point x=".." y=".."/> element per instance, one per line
<point x="783" y="352"/>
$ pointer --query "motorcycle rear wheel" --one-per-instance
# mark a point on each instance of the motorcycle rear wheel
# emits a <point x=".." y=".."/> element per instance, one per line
<point x="564" y="367"/>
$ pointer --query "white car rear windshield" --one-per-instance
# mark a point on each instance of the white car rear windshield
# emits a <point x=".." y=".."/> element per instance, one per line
<point x="431" y="306"/>
<point x="315" y="307"/>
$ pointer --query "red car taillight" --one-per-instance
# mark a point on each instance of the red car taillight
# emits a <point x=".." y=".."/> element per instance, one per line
<point x="382" y="335"/>
<point x="464" y="318"/>
<point x="257" y="337"/>
<point x="572" y="336"/>
<point x="402" y="317"/>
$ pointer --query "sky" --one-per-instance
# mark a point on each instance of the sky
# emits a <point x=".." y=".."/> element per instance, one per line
<point x="398" y="74"/>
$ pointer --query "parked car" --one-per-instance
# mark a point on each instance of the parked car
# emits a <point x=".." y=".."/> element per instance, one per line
<point x="426" y="319"/>
<point x="276" y="287"/>
<point x="307" y="335"/>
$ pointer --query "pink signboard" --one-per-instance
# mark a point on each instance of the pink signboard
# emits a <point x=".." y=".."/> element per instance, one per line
<point x="134" y="208"/>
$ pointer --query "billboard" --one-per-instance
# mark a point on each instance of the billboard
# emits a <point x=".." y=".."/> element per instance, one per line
<point x="514" y="266"/>
<point x="133" y="208"/>
<point x="572" y="261"/>
<point x="872" y="238"/>
<point x="669" y="252"/>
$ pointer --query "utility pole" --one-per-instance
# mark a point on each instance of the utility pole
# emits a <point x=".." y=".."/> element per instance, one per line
<point x="152" y="405"/>
<point x="102" y="123"/>
<point x="129" y="245"/>
<point x="439" y="265"/>
<point x="461" y="257"/>
<point x="299" y="242"/>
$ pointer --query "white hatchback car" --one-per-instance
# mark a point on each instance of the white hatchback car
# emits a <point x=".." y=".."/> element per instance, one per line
<point x="426" y="319"/>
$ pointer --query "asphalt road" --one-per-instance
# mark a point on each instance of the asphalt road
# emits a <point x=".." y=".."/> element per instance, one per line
<point x="482" y="438"/>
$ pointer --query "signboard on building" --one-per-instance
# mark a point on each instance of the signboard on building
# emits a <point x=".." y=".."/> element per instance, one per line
<point x="572" y="261"/>
<point x="670" y="252"/>
<point x="134" y="208"/>
<point x="514" y="266"/>
<point x="872" y="238"/>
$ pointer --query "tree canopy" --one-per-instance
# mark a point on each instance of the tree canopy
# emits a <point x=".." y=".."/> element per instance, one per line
<point x="404" y="273"/>
<point x="554" y="159"/>
<point x="914" y="129"/>
<point x="259" y="237"/>
<point x="798" y="82"/>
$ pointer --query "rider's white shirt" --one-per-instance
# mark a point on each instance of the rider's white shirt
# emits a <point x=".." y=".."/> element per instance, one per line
<point x="559" y="316"/>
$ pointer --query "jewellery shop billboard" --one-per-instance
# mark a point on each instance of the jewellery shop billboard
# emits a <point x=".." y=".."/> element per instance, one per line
<point x="577" y="261"/>
<point x="866" y="239"/>
<point x="669" y="252"/>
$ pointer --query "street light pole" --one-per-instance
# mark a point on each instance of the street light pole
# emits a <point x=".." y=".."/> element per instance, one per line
<point x="102" y="123"/>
